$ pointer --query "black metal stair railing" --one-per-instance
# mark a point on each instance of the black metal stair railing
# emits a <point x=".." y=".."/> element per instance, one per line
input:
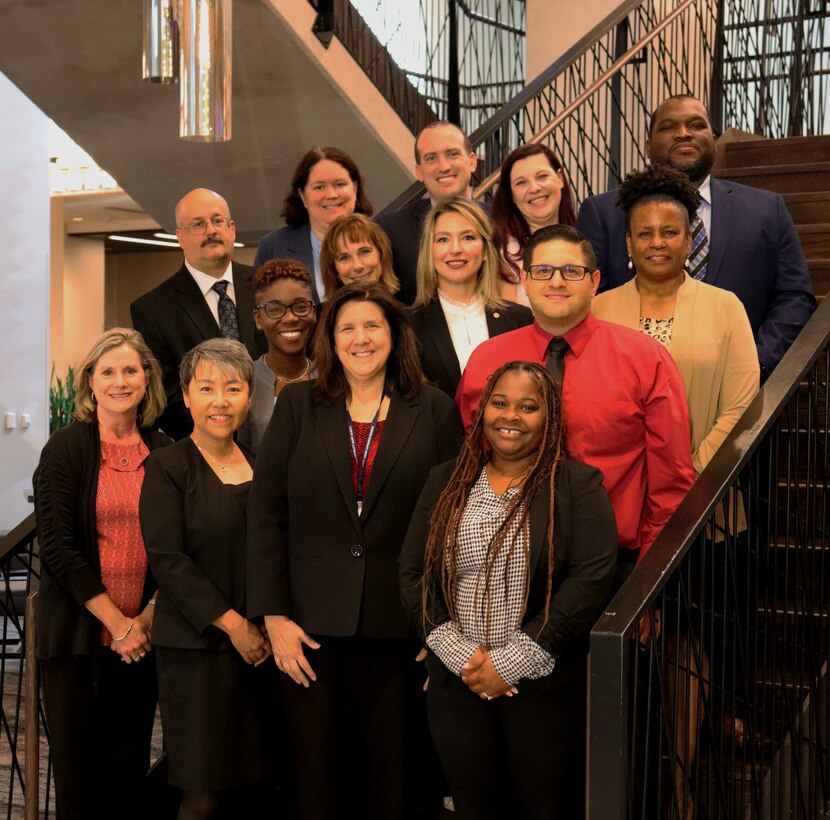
<point x="466" y="57"/>
<point x="722" y="711"/>
<point x="761" y="66"/>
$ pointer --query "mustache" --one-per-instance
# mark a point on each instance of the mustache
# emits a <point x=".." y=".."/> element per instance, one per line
<point x="211" y="240"/>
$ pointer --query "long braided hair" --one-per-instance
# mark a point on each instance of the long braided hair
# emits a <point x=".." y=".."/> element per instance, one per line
<point x="441" y="550"/>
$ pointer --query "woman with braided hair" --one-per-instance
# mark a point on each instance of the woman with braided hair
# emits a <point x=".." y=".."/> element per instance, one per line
<point x="509" y="559"/>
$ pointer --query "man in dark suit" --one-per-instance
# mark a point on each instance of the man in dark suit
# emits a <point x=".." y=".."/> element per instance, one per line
<point x="444" y="162"/>
<point x="209" y="296"/>
<point x="747" y="243"/>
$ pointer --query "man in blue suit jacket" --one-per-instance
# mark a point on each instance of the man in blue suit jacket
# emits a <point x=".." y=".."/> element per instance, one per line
<point x="754" y="249"/>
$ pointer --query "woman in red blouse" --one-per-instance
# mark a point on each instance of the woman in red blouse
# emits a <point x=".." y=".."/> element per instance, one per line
<point x="95" y="601"/>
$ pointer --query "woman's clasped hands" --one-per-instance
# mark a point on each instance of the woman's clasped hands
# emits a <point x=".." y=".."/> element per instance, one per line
<point x="482" y="679"/>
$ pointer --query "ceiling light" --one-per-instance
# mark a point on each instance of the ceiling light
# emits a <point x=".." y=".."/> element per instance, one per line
<point x="139" y="241"/>
<point x="173" y="236"/>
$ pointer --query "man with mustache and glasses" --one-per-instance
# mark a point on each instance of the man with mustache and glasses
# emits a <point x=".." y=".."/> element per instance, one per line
<point x="209" y="296"/>
<point x="743" y="240"/>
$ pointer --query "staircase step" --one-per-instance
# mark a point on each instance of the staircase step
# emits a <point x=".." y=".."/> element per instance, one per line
<point x="815" y="239"/>
<point x="785" y="179"/>
<point x="809" y="208"/>
<point x="788" y="151"/>
<point x="820" y="275"/>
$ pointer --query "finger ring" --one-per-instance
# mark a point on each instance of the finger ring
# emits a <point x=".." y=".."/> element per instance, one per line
<point x="488" y="697"/>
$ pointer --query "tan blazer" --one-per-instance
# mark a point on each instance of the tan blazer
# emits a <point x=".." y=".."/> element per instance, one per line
<point x="714" y="349"/>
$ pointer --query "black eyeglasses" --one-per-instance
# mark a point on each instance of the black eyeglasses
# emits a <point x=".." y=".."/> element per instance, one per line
<point x="199" y="226"/>
<point x="570" y="273"/>
<point x="276" y="310"/>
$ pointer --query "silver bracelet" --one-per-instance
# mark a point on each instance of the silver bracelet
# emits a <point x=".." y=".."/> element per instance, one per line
<point x="121" y="638"/>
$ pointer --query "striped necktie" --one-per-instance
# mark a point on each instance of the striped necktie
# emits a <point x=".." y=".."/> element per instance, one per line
<point x="699" y="256"/>
<point x="228" y="321"/>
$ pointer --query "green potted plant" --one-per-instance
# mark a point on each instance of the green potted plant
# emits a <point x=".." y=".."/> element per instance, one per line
<point x="61" y="399"/>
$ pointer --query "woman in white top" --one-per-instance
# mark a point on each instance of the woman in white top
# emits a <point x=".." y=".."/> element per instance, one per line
<point x="458" y="305"/>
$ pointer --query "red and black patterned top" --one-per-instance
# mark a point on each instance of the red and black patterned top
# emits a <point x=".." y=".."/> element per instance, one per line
<point x="120" y="544"/>
<point x="361" y="433"/>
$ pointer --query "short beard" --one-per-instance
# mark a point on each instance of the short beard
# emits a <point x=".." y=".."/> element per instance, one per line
<point x="697" y="171"/>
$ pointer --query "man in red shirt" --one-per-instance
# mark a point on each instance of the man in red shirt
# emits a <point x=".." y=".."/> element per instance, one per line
<point x="624" y="405"/>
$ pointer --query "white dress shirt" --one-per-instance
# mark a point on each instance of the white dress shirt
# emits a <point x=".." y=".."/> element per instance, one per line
<point x="206" y="282"/>
<point x="705" y="209"/>
<point x="468" y="326"/>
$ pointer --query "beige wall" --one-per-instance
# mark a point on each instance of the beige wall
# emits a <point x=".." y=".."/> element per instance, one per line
<point x="553" y="26"/>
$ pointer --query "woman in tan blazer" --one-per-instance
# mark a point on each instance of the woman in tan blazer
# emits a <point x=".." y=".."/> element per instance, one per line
<point x="705" y="328"/>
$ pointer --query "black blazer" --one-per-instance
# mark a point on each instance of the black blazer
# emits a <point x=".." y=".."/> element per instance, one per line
<point x="174" y="317"/>
<point x="289" y="243"/>
<point x="194" y="529"/>
<point x="309" y="554"/>
<point x="66" y="488"/>
<point x="403" y="227"/>
<point x="585" y="562"/>
<point x="438" y="359"/>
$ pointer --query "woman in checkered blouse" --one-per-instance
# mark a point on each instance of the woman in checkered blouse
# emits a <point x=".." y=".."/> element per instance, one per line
<point x="508" y="561"/>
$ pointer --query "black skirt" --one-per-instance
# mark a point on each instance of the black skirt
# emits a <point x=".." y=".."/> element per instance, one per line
<point x="220" y="718"/>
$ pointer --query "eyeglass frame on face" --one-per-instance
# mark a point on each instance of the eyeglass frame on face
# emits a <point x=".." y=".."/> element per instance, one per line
<point x="219" y="223"/>
<point x="268" y="311"/>
<point x="584" y="269"/>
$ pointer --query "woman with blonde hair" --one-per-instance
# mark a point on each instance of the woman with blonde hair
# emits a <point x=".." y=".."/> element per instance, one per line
<point x="458" y="304"/>
<point x="96" y="599"/>
<point x="357" y="251"/>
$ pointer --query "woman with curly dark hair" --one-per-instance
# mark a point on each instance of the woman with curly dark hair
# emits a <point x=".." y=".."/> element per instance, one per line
<point x="705" y="328"/>
<point x="284" y="311"/>
<point x="339" y="472"/>
<point x="509" y="559"/>
<point x="326" y="184"/>
<point x="533" y="192"/>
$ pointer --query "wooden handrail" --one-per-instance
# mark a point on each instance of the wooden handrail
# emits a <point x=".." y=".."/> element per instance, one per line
<point x="615" y="67"/>
<point x="31" y="764"/>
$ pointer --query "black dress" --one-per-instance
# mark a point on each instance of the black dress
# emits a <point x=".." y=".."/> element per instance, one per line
<point x="217" y="711"/>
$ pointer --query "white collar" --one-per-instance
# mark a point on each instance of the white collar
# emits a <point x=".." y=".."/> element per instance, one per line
<point x="705" y="190"/>
<point x="205" y="281"/>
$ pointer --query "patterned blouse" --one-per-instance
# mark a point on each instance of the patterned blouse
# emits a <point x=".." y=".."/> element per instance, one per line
<point x="120" y="544"/>
<point x="514" y="654"/>
<point x="658" y="329"/>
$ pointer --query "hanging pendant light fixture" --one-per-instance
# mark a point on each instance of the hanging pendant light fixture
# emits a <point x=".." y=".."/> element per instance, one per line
<point x="160" y="42"/>
<point x="205" y="70"/>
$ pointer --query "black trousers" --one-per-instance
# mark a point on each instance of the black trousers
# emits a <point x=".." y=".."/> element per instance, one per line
<point x="349" y="730"/>
<point x="100" y="714"/>
<point x="521" y="757"/>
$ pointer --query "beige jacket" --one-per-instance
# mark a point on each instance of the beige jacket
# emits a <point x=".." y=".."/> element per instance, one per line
<point x="714" y="349"/>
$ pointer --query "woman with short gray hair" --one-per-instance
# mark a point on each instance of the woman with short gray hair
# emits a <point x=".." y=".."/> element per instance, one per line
<point x="193" y="515"/>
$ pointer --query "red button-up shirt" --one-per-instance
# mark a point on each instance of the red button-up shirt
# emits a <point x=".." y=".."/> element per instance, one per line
<point x="625" y="413"/>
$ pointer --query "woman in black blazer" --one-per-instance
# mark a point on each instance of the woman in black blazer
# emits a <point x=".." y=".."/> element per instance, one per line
<point x="458" y="305"/>
<point x="95" y="593"/>
<point x="339" y="471"/>
<point x="214" y="702"/>
<point x="509" y="559"/>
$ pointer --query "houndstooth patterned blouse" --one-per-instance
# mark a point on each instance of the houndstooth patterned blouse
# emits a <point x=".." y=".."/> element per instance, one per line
<point x="514" y="654"/>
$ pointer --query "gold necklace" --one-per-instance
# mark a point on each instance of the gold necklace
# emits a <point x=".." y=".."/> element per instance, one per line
<point x="283" y="378"/>
<point x="223" y="468"/>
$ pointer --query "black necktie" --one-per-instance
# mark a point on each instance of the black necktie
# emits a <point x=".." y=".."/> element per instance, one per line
<point x="556" y="360"/>
<point x="227" y="312"/>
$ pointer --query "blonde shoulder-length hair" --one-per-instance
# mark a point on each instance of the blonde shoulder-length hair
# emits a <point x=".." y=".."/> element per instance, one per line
<point x="487" y="284"/>
<point x="154" y="400"/>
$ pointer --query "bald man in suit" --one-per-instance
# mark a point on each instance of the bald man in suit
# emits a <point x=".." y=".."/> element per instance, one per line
<point x="209" y="296"/>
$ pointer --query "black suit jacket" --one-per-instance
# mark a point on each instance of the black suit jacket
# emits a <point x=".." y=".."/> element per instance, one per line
<point x="310" y="556"/>
<point x="585" y="562"/>
<point x="403" y="227"/>
<point x="174" y="317"/>
<point x="754" y="252"/>
<point x="438" y="359"/>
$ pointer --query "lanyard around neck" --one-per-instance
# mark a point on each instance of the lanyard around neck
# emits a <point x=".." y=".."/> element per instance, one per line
<point x="361" y="462"/>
